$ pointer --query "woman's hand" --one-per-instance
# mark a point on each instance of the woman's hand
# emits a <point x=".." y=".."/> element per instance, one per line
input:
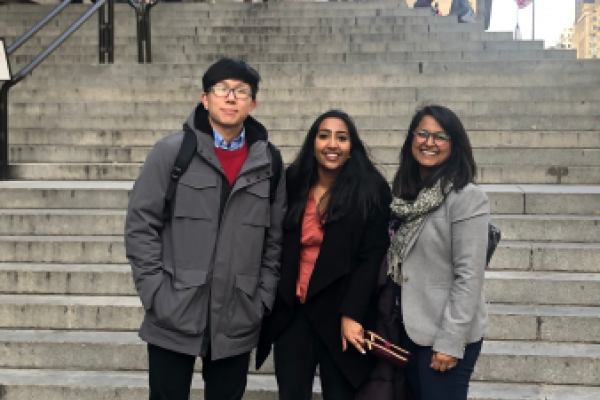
<point x="352" y="332"/>
<point x="442" y="362"/>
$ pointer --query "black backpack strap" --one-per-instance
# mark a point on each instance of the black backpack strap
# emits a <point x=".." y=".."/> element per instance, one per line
<point x="277" y="163"/>
<point x="188" y="148"/>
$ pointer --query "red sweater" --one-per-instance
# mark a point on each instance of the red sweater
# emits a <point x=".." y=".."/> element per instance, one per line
<point x="232" y="161"/>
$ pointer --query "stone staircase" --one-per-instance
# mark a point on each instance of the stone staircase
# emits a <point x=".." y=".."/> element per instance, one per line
<point x="79" y="132"/>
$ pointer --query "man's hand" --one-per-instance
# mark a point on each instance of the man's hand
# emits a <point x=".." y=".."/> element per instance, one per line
<point x="442" y="362"/>
<point x="352" y="332"/>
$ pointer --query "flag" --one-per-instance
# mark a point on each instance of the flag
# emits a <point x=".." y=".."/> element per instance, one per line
<point x="517" y="32"/>
<point x="523" y="3"/>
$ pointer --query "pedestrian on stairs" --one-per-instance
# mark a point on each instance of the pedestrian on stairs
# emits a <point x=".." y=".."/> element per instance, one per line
<point x="335" y="239"/>
<point x="437" y="256"/>
<point x="203" y="235"/>
<point x="463" y="10"/>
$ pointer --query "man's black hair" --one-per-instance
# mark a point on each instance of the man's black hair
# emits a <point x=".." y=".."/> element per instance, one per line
<point x="228" y="68"/>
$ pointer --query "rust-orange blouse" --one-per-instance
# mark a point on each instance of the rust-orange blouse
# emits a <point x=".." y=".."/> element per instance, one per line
<point x="310" y="245"/>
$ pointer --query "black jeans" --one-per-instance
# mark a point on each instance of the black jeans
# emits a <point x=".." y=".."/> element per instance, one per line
<point x="429" y="384"/>
<point x="298" y="351"/>
<point x="171" y="375"/>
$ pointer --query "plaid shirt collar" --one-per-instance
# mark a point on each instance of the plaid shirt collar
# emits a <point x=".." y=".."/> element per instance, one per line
<point x="236" y="143"/>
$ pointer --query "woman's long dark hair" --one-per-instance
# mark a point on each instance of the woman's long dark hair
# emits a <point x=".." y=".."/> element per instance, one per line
<point x="355" y="190"/>
<point x="459" y="168"/>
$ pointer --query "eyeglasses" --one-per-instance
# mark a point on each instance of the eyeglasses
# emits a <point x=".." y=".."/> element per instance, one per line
<point x="438" y="138"/>
<point x="238" y="93"/>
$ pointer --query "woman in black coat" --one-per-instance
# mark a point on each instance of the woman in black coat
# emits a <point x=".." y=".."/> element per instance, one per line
<point x="323" y="304"/>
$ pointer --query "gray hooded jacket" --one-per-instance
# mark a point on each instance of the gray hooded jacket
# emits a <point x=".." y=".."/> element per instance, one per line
<point x="217" y="260"/>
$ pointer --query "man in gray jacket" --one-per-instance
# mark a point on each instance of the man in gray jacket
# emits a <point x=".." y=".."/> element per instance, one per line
<point x="208" y="273"/>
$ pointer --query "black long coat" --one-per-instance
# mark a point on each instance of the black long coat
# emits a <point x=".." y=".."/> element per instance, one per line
<point x="343" y="282"/>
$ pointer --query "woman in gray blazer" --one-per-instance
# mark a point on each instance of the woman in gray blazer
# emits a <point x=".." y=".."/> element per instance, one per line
<point x="438" y="254"/>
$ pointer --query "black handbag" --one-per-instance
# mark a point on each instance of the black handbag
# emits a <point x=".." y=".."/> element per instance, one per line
<point x="494" y="236"/>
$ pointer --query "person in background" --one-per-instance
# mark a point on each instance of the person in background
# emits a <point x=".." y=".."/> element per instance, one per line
<point x="438" y="255"/>
<point x="423" y="4"/>
<point x="484" y="12"/>
<point x="463" y="10"/>
<point x="335" y="239"/>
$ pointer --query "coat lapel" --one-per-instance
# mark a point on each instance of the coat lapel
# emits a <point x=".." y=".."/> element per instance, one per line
<point x="335" y="256"/>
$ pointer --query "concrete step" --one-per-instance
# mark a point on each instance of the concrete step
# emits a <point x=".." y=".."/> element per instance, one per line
<point x="277" y="84"/>
<point x="488" y="174"/>
<point x="435" y="71"/>
<point x="381" y="155"/>
<point x="78" y="9"/>
<point x="20" y="384"/>
<point x="543" y="323"/>
<point x="302" y="122"/>
<point x="504" y="199"/>
<point x="372" y="138"/>
<point x="161" y="51"/>
<point x="555" y="228"/>
<point x="510" y="287"/>
<point x="60" y="222"/>
<point x="538" y="256"/>
<point x="58" y="195"/>
<point x="161" y="13"/>
<point x="128" y="28"/>
<point x="124" y="351"/>
<point x="545" y="362"/>
<point x="63" y="249"/>
<point x="357" y="96"/>
<point x="79" y="279"/>
<point x="553" y="288"/>
<point x="290" y="109"/>
<point x="161" y="22"/>
<point x="170" y="40"/>
<point x="516" y="55"/>
<point x="125" y="313"/>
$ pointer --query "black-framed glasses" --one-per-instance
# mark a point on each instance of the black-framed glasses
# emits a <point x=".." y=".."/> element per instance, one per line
<point x="438" y="137"/>
<point x="238" y="93"/>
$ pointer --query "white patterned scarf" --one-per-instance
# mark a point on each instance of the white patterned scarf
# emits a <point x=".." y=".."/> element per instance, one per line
<point x="412" y="215"/>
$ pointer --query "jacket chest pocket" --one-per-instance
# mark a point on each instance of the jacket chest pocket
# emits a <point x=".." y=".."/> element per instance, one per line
<point x="255" y="217"/>
<point x="194" y="222"/>
<point x="257" y="205"/>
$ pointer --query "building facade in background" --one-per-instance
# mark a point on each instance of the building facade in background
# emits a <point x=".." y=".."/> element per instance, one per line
<point x="566" y="39"/>
<point x="579" y="7"/>
<point x="587" y="29"/>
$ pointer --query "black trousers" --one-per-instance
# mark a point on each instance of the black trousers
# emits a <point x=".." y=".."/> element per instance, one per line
<point x="429" y="384"/>
<point x="171" y="375"/>
<point x="298" y="351"/>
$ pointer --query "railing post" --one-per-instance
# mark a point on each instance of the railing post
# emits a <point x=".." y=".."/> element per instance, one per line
<point x="110" y="32"/>
<point x="106" y="33"/>
<point x="139" y="16"/>
<point x="4" y="152"/>
<point x="148" y="39"/>
<point x="101" y="36"/>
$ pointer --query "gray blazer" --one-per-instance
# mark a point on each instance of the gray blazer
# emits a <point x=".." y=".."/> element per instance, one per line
<point x="443" y="305"/>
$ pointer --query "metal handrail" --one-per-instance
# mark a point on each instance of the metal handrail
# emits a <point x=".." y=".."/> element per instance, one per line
<point x="4" y="150"/>
<point x="142" y="11"/>
<point x="16" y="45"/>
